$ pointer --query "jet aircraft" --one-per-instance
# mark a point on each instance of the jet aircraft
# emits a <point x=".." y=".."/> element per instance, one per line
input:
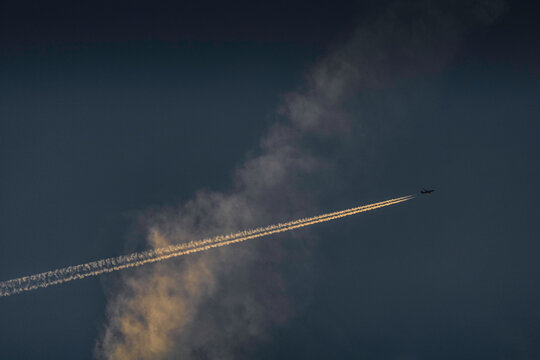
<point x="424" y="191"/>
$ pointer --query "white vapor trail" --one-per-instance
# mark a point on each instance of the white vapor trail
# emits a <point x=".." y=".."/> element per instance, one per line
<point x="59" y="276"/>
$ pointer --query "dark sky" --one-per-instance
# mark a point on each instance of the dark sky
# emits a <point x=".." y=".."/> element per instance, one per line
<point x="108" y="109"/>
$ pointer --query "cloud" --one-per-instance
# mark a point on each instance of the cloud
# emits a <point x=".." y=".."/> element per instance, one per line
<point x="220" y="303"/>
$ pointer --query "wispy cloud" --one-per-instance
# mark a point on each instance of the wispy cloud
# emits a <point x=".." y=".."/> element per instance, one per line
<point x="216" y="304"/>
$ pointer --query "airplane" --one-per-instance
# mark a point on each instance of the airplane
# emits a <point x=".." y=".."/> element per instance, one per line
<point x="424" y="191"/>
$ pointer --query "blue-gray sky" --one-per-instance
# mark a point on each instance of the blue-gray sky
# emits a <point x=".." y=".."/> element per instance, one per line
<point x="111" y="113"/>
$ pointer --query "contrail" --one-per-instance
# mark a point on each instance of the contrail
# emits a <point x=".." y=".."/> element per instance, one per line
<point x="58" y="276"/>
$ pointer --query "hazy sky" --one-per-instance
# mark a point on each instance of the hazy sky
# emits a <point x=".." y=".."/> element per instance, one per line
<point x="118" y="118"/>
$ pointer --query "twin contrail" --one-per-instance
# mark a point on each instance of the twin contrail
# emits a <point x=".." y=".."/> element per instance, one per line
<point x="59" y="276"/>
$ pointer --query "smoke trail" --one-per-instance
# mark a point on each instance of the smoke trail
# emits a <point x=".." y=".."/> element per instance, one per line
<point x="59" y="276"/>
